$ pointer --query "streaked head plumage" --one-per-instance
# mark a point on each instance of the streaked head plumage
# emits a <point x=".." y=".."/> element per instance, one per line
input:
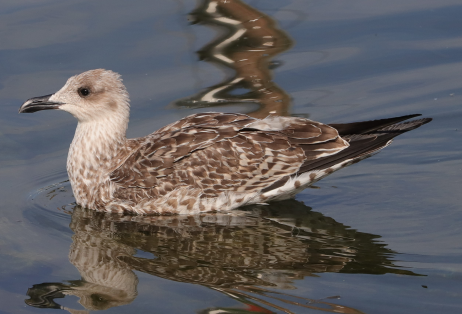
<point x="89" y="96"/>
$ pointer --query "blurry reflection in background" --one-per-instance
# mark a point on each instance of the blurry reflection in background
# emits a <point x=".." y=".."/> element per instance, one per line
<point x="247" y="43"/>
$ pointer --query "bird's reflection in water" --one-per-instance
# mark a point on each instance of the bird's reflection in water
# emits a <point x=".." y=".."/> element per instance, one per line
<point x="244" y="254"/>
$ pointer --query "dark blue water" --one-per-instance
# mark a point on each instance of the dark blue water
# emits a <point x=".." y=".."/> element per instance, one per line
<point x="381" y="236"/>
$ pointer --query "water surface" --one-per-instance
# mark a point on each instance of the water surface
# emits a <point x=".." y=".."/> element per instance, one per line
<point x="381" y="236"/>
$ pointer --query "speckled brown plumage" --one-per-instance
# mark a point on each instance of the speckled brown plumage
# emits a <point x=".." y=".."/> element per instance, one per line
<point x="216" y="154"/>
<point x="204" y="162"/>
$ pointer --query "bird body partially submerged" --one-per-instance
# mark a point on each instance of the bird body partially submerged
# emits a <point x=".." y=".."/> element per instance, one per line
<point x="204" y="162"/>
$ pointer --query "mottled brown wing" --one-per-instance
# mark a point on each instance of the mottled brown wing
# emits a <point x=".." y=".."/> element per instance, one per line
<point x="155" y="155"/>
<point x="246" y="163"/>
<point x="316" y="139"/>
<point x="225" y="152"/>
<point x="207" y="119"/>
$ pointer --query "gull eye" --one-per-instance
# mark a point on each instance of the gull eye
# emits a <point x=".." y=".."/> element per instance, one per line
<point x="83" y="91"/>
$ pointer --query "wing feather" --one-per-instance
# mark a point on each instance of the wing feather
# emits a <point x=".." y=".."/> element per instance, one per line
<point x="224" y="153"/>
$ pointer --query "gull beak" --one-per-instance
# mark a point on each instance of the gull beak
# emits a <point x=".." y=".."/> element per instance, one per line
<point x="39" y="103"/>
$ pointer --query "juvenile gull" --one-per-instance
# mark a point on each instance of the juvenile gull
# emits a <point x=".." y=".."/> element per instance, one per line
<point x="204" y="162"/>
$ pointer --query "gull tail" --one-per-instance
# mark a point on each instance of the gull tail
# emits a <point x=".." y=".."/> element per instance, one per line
<point x="365" y="138"/>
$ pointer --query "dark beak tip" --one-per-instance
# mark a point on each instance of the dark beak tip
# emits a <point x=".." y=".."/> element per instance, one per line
<point x="38" y="103"/>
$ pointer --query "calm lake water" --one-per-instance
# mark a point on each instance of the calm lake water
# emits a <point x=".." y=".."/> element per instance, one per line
<point x="381" y="236"/>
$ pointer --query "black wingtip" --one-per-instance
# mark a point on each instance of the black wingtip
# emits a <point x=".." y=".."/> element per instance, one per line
<point x="427" y="120"/>
<point x="365" y="127"/>
<point x="409" y="116"/>
<point x="409" y="125"/>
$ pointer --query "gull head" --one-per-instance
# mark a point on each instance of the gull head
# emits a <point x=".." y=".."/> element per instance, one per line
<point x="90" y="96"/>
